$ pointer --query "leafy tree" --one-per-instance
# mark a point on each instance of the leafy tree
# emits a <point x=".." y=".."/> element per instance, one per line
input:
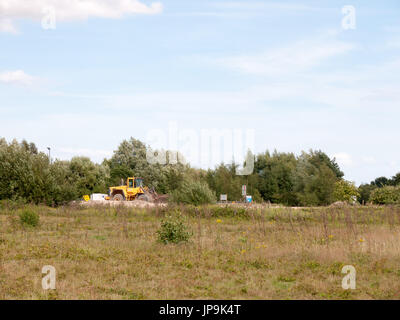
<point x="315" y="179"/>
<point x="223" y="180"/>
<point x="275" y="177"/>
<point x="365" y="192"/>
<point x="130" y="160"/>
<point x="27" y="174"/>
<point x="319" y="158"/>
<point x="64" y="189"/>
<point x="395" y="181"/>
<point x="24" y="173"/>
<point x="193" y="192"/>
<point x="381" y="182"/>
<point x="386" y="195"/>
<point x="29" y="147"/>
<point x="87" y="177"/>
<point x="345" y="191"/>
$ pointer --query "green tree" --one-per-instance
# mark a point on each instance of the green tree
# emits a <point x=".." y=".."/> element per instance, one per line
<point x="25" y="174"/>
<point x="395" y="181"/>
<point x="386" y="195"/>
<point x="381" y="182"/>
<point x="87" y="177"/>
<point x="193" y="192"/>
<point x="275" y="177"/>
<point x="130" y="159"/>
<point x="365" y="192"/>
<point x="345" y="191"/>
<point x="223" y="180"/>
<point x="315" y="179"/>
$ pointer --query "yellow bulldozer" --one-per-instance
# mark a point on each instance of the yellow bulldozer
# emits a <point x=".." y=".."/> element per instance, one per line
<point x="132" y="190"/>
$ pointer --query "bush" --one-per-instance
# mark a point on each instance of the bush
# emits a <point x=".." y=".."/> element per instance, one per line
<point x="29" y="218"/>
<point x="386" y="195"/>
<point x="173" y="230"/>
<point x="345" y="191"/>
<point x="193" y="192"/>
<point x="225" y="211"/>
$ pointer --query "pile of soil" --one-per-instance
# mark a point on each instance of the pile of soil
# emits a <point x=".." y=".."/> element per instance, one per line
<point x="161" y="198"/>
<point x="339" y="204"/>
<point x="135" y="203"/>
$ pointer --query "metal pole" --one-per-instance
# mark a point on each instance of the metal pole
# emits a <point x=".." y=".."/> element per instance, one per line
<point x="49" y="154"/>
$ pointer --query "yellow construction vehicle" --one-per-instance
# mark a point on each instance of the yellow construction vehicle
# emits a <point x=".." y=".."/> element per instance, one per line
<point x="133" y="190"/>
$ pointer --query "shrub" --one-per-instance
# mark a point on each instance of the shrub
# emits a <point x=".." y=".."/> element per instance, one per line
<point x="386" y="195"/>
<point x="345" y="191"/>
<point x="173" y="230"/>
<point x="219" y="211"/>
<point x="29" y="218"/>
<point x="193" y="192"/>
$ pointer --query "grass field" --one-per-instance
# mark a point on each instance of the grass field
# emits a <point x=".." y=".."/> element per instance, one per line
<point x="270" y="253"/>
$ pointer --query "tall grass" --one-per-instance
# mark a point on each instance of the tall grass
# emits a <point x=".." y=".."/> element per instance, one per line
<point x="236" y="252"/>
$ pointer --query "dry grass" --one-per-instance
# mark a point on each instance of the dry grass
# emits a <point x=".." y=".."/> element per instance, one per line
<point x="273" y="253"/>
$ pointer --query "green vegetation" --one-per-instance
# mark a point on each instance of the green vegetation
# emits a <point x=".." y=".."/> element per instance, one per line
<point x="173" y="230"/>
<point x="367" y="190"/>
<point x="193" y="192"/>
<point x="29" y="218"/>
<point x="254" y="252"/>
<point x="310" y="179"/>
<point x="386" y="195"/>
<point x="345" y="191"/>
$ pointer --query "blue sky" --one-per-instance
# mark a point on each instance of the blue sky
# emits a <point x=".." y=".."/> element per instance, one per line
<point x="287" y="70"/>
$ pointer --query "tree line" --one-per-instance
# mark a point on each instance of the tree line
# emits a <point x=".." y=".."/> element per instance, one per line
<point x="382" y="190"/>
<point x="310" y="179"/>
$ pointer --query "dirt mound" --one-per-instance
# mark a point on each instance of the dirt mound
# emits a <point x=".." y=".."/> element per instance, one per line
<point x="339" y="204"/>
<point x="161" y="198"/>
<point x="135" y="203"/>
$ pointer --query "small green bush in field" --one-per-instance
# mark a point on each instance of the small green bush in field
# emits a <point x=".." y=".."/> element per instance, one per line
<point x="29" y="218"/>
<point x="173" y="230"/>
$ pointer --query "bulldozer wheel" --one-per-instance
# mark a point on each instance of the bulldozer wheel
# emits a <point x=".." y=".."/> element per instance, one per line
<point x="118" y="197"/>
<point x="143" y="197"/>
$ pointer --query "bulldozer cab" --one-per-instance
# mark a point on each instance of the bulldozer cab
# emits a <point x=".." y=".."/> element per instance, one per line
<point x="135" y="182"/>
<point x="138" y="182"/>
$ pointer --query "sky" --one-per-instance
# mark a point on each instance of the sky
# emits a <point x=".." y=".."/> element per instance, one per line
<point x="81" y="76"/>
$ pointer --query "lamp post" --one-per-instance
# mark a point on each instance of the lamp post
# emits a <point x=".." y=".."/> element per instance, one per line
<point x="48" y="148"/>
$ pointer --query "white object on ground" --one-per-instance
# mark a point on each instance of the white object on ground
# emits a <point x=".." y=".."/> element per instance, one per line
<point x="98" y="196"/>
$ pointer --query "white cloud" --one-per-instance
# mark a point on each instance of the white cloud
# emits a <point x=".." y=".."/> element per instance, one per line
<point x="249" y="9"/>
<point x="291" y="59"/>
<point x="70" y="10"/>
<point x="343" y="159"/>
<point x="16" y="77"/>
<point x="7" y="26"/>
